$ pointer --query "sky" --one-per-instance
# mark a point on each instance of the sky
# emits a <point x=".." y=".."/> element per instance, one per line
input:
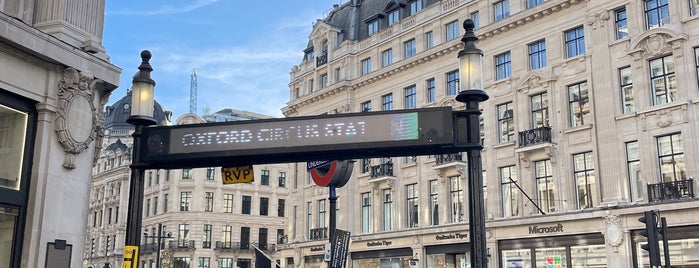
<point x="242" y="51"/>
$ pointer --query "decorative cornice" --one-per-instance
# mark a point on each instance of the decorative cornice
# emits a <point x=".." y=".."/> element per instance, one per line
<point x="527" y="16"/>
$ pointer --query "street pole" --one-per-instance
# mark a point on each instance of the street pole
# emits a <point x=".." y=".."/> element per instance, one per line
<point x="157" y="253"/>
<point x="141" y="116"/>
<point x="333" y="212"/>
<point x="471" y="84"/>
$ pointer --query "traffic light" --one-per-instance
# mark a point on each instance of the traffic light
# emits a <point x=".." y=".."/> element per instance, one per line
<point x="651" y="232"/>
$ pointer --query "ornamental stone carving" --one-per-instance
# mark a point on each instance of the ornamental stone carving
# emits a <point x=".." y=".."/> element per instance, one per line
<point x="613" y="234"/>
<point x="598" y="19"/>
<point x="79" y="122"/>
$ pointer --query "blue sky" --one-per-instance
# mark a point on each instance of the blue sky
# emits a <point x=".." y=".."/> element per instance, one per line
<point x="242" y="50"/>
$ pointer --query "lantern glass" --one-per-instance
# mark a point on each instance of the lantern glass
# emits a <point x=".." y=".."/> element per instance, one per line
<point x="142" y="102"/>
<point x="471" y="70"/>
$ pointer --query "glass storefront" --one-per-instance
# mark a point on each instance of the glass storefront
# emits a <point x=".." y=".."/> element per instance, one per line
<point x="315" y="261"/>
<point x="684" y="247"/>
<point x="8" y="224"/>
<point x="575" y="251"/>
<point x="448" y="256"/>
<point x="13" y="127"/>
<point x="390" y="258"/>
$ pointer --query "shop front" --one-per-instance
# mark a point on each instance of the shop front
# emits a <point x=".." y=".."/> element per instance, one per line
<point x="683" y="248"/>
<point x="447" y="250"/>
<point x="388" y="258"/>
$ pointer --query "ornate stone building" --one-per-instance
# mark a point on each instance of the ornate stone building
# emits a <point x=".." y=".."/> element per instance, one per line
<point x="204" y="223"/>
<point x="55" y="78"/>
<point x="591" y="121"/>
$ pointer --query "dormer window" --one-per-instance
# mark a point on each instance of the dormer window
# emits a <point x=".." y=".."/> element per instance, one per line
<point x="323" y="58"/>
<point x="393" y="17"/>
<point x="308" y="54"/>
<point x="373" y="26"/>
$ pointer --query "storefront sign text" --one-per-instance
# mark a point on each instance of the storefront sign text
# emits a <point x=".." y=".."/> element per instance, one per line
<point x="318" y="248"/>
<point x="379" y="243"/>
<point x="546" y="229"/>
<point x="451" y="236"/>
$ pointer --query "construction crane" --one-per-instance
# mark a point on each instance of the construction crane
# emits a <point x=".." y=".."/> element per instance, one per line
<point x="193" y="93"/>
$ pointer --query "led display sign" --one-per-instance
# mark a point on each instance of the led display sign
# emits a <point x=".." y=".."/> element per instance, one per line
<point x="299" y="139"/>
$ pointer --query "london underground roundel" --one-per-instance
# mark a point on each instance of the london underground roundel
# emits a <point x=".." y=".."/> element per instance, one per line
<point x="335" y="173"/>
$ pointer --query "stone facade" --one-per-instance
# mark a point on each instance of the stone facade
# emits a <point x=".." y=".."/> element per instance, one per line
<point x="585" y="99"/>
<point x="59" y="80"/>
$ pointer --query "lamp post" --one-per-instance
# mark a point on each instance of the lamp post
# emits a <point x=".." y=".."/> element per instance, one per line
<point x="159" y="236"/>
<point x="141" y="115"/>
<point x="471" y="85"/>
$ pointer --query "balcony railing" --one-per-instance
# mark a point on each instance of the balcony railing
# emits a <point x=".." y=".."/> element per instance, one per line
<point x="318" y="233"/>
<point x="534" y="136"/>
<point x="322" y="59"/>
<point x="442" y="159"/>
<point x="673" y="190"/>
<point x="148" y="248"/>
<point x="231" y="246"/>
<point x="383" y="170"/>
<point x="181" y="244"/>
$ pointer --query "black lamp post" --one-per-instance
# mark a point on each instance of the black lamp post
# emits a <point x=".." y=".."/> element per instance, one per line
<point x="471" y="84"/>
<point x="141" y="115"/>
<point x="159" y="237"/>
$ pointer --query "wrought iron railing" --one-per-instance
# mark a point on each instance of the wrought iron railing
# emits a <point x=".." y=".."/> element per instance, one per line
<point x="534" y="136"/>
<point x="441" y="159"/>
<point x="318" y="233"/>
<point x="322" y="59"/>
<point x="672" y="190"/>
<point x="181" y="244"/>
<point x="382" y="170"/>
<point x="231" y="246"/>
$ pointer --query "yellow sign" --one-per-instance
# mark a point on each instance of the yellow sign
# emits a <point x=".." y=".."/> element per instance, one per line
<point x="232" y="175"/>
<point x="130" y="257"/>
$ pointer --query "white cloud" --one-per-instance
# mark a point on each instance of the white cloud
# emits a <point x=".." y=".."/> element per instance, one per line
<point x="165" y="9"/>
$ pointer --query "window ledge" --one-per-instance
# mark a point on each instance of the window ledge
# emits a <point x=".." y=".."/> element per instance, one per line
<point x="578" y="128"/>
<point x="504" y="144"/>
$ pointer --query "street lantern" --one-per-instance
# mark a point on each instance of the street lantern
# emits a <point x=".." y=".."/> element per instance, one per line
<point x="142" y="106"/>
<point x="471" y="86"/>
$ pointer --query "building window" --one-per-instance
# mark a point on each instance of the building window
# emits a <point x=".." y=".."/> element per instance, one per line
<point x="281" y="207"/>
<point x="247" y="204"/>
<point x="533" y="3"/>
<point x="626" y="84"/>
<point x="155" y="206"/>
<point x="187" y="173"/>
<point x="386" y="57"/>
<point x="621" y="24"/>
<point x="586" y="184"/>
<point x="365" y="165"/>
<point x="503" y="66"/>
<point x="372" y="26"/>
<point x="501" y="10"/>
<point x="506" y="123"/>
<point x="179" y="262"/>
<point x="510" y="192"/>
<point x="225" y="262"/>
<point x="393" y="17"/>
<point x="663" y="84"/>
<point x="204" y="262"/>
<point x="311" y="85"/>
<point x="410" y="97"/>
<point x="264" y="206"/>
<point x="537" y="55"/>
<point x="323" y="80"/>
<point x="578" y="103"/>
<point x="633" y="167"/>
<point x="183" y="235"/>
<point x="429" y="40"/>
<point x="696" y="62"/>
<point x="185" y="200"/>
<point x="452" y="30"/>
<point x="657" y="13"/>
<point x="338" y="76"/>
<point x="207" y="236"/>
<point x="431" y="92"/>
<point x="366" y="213"/>
<point x="456" y="199"/>
<point x="545" y="186"/>
<point x="575" y="42"/>
<point x="244" y="238"/>
<point x="476" y="17"/>
<point x="387" y="102"/>
<point x="452" y="83"/>
<point x="692" y="7"/>
<point x="366" y="66"/>
<point x="281" y="237"/>
<point x="282" y="179"/>
<point x="415" y="6"/>
<point x="409" y="48"/>
<point x="308" y="54"/>
<point x="309" y="218"/>
<point x="264" y="177"/>
<point x="321" y="214"/>
<point x="209" y="202"/>
<point x="227" y="203"/>
<point x="366" y="106"/>
<point x="210" y="173"/>
<point x="165" y="201"/>
<point x="387" y="210"/>
<point x="412" y="205"/>
<point x="671" y="158"/>
<point x="147" y="208"/>
<point x="540" y="110"/>
<point x="434" y="203"/>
